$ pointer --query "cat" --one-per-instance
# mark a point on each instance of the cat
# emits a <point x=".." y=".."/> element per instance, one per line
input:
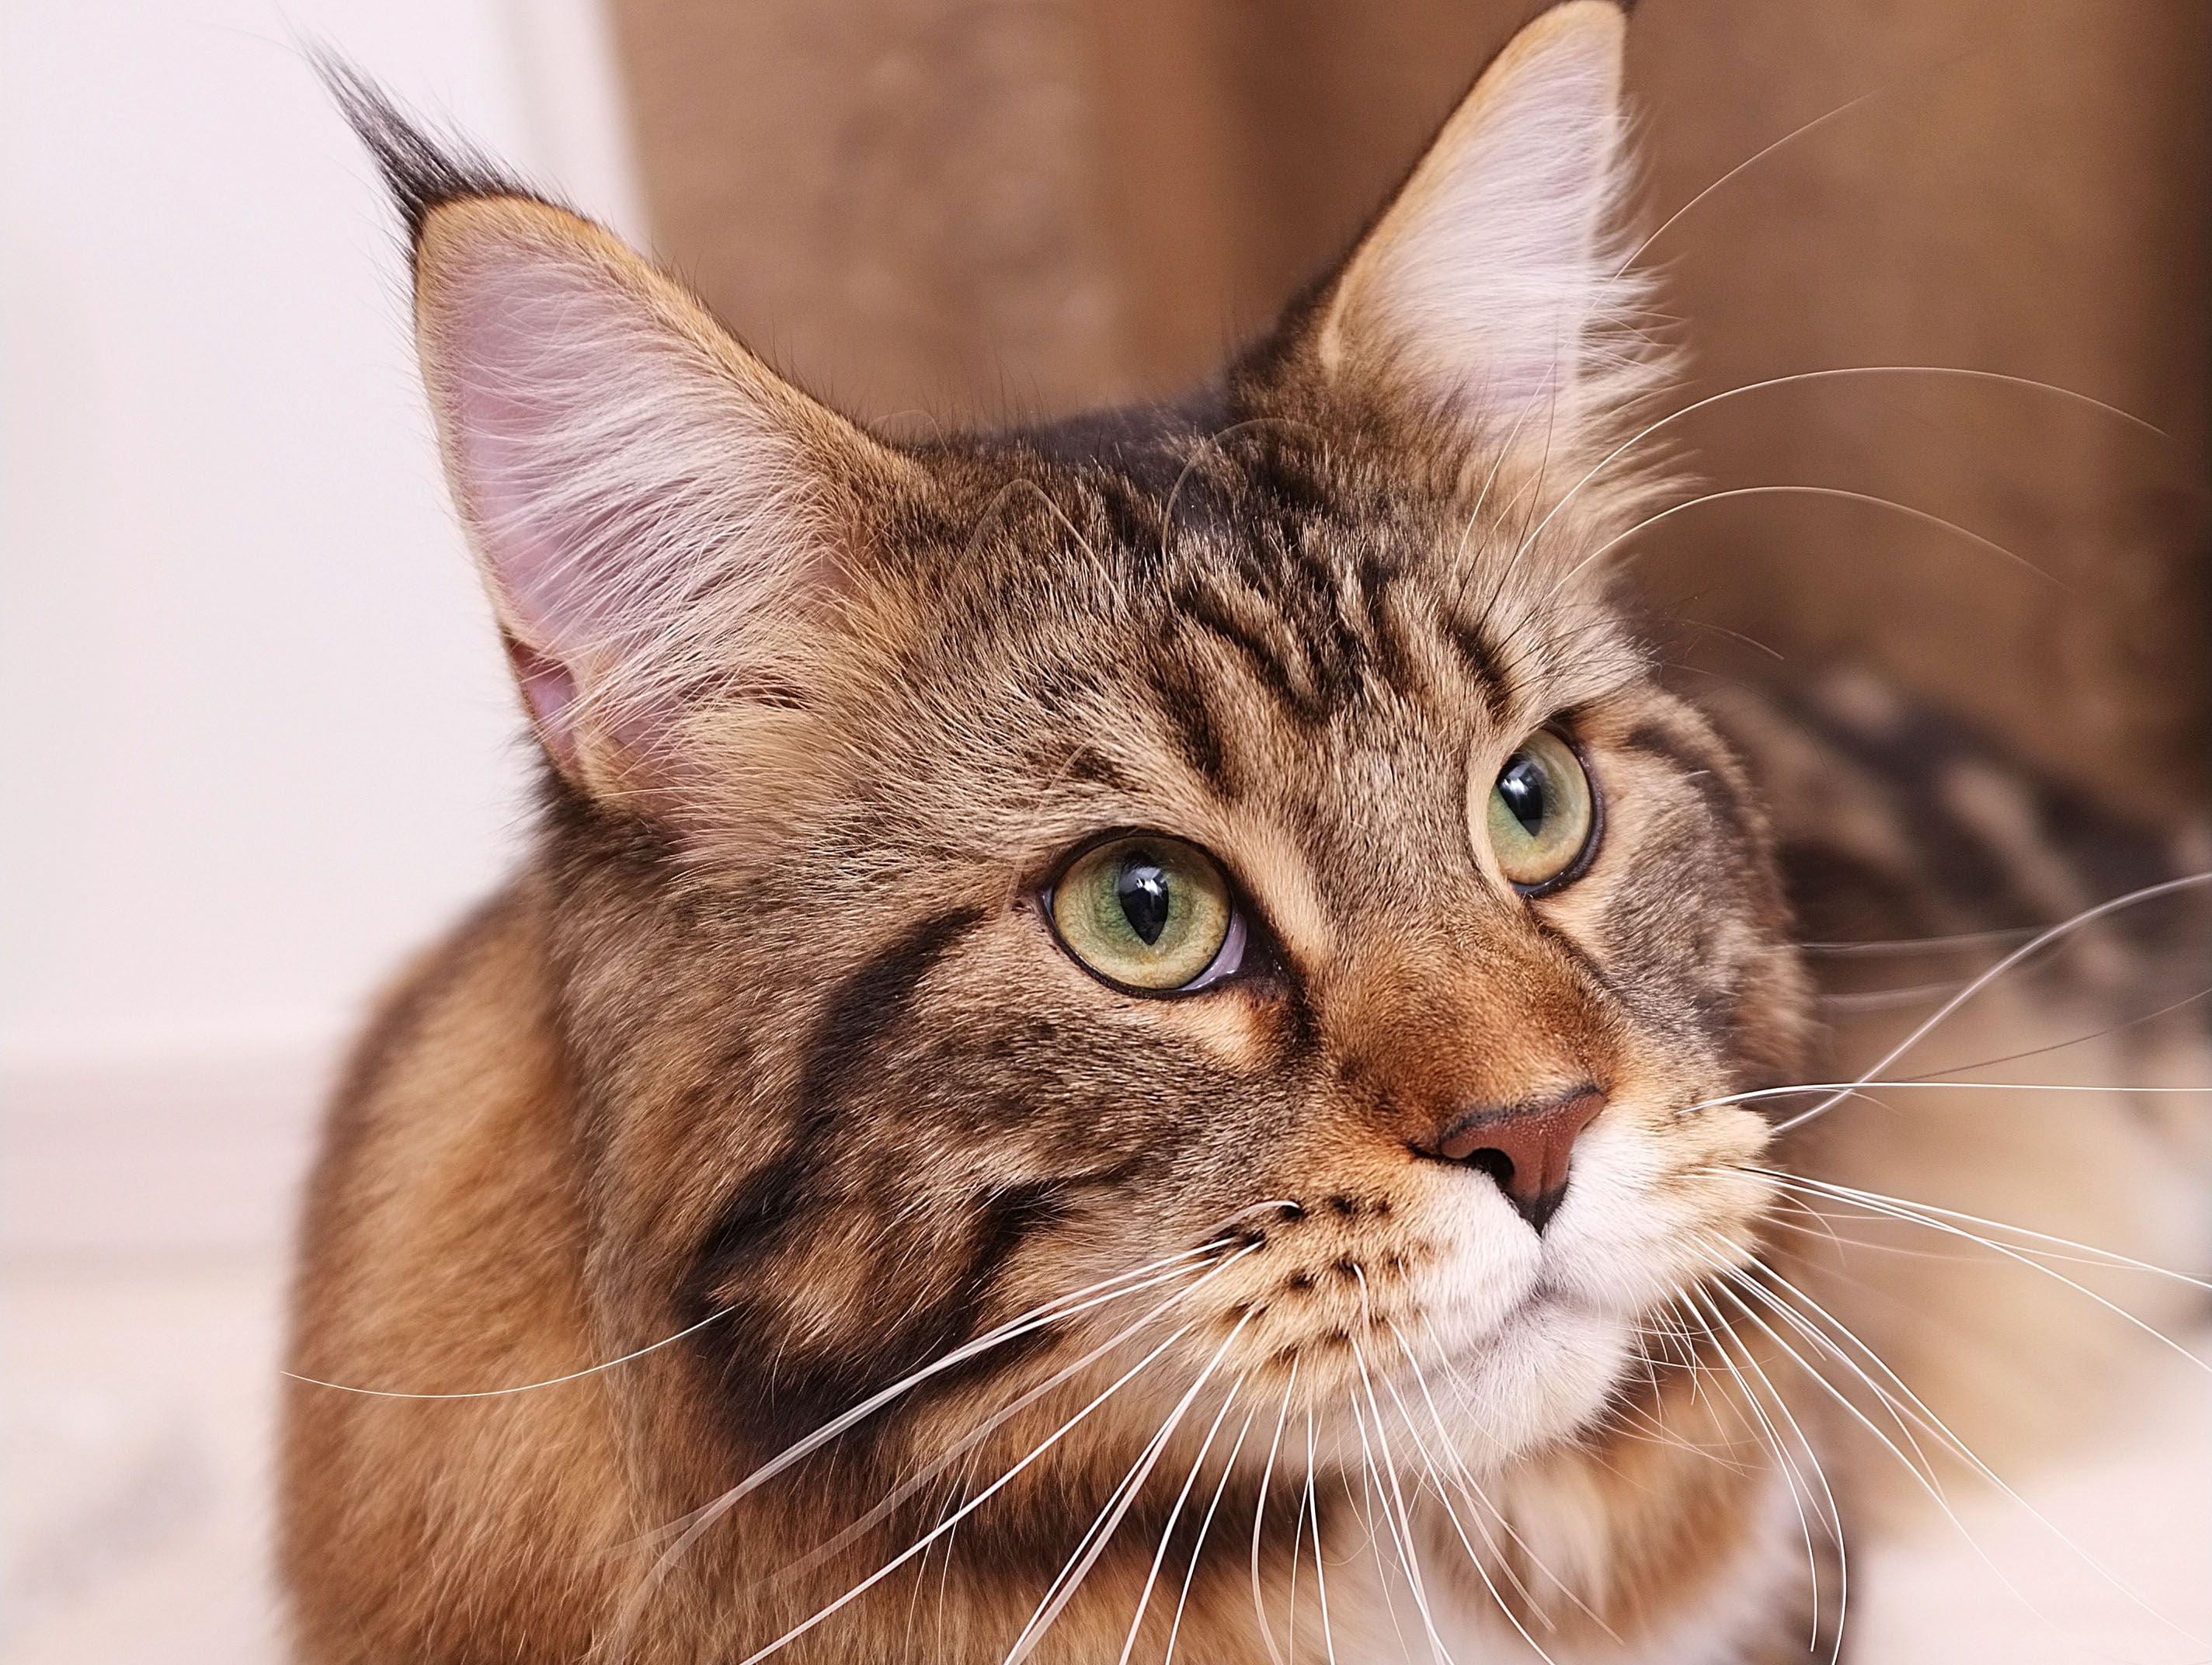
<point x="1158" y="1034"/>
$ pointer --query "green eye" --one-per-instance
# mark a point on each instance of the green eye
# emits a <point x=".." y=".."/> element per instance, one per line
<point x="1148" y="914"/>
<point x="1541" y="813"/>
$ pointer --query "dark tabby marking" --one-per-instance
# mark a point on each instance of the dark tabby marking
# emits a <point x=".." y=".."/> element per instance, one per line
<point x="1412" y="1174"/>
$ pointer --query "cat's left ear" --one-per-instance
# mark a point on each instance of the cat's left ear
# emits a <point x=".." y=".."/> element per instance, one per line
<point x="1486" y="290"/>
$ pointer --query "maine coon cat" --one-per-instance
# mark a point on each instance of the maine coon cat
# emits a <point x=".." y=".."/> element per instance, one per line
<point x="1156" y="1035"/>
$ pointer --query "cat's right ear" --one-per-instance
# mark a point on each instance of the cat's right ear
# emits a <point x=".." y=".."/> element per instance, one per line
<point x="653" y="509"/>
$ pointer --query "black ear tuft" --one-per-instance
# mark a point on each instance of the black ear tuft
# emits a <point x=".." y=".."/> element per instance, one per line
<point x="421" y="173"/>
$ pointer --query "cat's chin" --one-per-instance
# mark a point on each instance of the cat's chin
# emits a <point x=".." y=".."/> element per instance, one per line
<point x="1549" y="1370"/>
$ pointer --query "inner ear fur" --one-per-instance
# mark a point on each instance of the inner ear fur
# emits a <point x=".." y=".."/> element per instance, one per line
<point x="659" y="519"/>
<point x="1490" y="291"/>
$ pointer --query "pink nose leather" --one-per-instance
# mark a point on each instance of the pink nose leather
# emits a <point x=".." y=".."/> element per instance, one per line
<point x="1525" y="1148"/>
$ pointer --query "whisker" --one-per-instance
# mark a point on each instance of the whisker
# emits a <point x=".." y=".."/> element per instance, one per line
<point x="1259" y="1518"/>
<point x="1454" y="1473"/>
<point x="977" y="1436"/>
<point x="992" y="1338"/>
<point x="1458" y="1469"/>
<point x="1175" y="1513"/>
<point x="728" y="1499"/>
<point x="1321" y="1574"/>
<point x="1071" y="1576"/>
<point x="2119" y="1027"/>
<point x="1925" y="1476"/>
<point x="1827" y="1233"/>
<point x="1408" y="1555"/>
<point x="1463" y="1476"/>
<point x="1800" y="1493"/>
<point x="522" y="1387"/>
<point x="1205" y="1525"/>
<point x="1885" y="946"/>
<point x="1910" y="1208"/>
<point x="1837" y="493"/>
<point x="1886" y="999"/>
<point x="1918" y="1465"/>
<point x="1364" y="1502"/>
<point x="1934" y="1425"/>
<point x="1830" y="373"/>
<point x="1757" y="156"/>
<point x="2034" y="944"/>
<point x="1213" y="442"/>
<point x="1865" y="1089"/>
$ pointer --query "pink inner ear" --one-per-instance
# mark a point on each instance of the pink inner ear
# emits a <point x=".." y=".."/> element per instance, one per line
<point x="550" y="690"/>
<point x="635" y="495"/>
<point x="523" y="349"/>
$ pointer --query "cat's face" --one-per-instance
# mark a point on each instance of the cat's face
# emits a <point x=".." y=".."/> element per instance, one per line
<point x="1240" y="854"/>
<point x="1165" y="897"/>
<point x="1275" y="751"/>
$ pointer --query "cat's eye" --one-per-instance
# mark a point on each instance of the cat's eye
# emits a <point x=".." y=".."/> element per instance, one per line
<point x="1541" y="814"/>
<point x="1148" y="914"/>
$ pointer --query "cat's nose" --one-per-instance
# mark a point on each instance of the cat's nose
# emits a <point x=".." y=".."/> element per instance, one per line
<point x="1524" y="1147"/>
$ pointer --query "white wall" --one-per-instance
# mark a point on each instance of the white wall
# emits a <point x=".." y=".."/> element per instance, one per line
<point x="258" y="742"/>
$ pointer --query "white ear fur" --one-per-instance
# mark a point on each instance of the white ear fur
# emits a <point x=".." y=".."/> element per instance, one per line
<point x="1487" y="284"/>
<point x="642" y="493"/>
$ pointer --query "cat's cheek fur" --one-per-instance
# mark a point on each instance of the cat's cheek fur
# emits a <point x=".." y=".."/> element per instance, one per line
<point x="1654" y="1207"/>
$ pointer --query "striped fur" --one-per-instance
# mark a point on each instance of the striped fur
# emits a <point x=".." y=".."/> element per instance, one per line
<point x="767" y="1077"/>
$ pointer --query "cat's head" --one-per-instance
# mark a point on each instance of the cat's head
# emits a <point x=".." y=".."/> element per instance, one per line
<point x="1236" y="849"/>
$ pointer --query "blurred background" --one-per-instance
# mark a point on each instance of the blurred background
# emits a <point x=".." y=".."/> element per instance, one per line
<point x="263" y="745"/>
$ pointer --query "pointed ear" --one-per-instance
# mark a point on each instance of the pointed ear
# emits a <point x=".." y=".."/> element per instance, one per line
<point x="655" y="512"/>
<point x="1486" y="290"/>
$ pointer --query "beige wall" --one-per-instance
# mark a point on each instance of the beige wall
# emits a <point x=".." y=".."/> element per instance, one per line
<point x="984" y="207"/>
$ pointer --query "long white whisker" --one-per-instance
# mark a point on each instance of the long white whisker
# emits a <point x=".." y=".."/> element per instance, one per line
<point x="1862" y="1089"/>
<point x="2032" y="945"/>
<point x="1049" y="1312"/>
<point x="520" y="1387"/>
<point x="1321" y="1577"/>
<point x="1466" y="1481"/>
<point x="1454" y="1472"/>
<point x="1928" y="1482"/>
<point x="2082" y="1039"/>
<point x="1911" y="1208"/>
<point x="991" y="1425"/>
<point x="1756" y="157"/>
<point x="1030" y="1319"/>
<point x="1800" y="1493"/>
<point x="1892" y="1402"/>
<point x="1175" y="1513"/>
<point x="1951" y="944"/>
<point x="1204" y="1525"/>
<point x="1259" y="1518"/>
<point x="1409" y="1553"/>
<point x="1830" y="373"/>
<point x="1937" y="1427"/>
<point x="1071" y="1575"/>
<point x="2027" y="1260"/>
<point x="989" y="1491"/>
<point x="1838" y="493"/>
<point x="1364" y="1504"/>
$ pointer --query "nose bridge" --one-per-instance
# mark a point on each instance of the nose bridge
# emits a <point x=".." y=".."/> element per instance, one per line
<point x="1500" y="1025"/>
<point x="1494" y="1060"/>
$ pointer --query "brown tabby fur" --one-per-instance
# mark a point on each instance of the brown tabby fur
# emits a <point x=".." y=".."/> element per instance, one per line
<point x="770" y="1043"/>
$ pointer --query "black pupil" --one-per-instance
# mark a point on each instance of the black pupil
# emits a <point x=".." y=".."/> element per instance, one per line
<point x="1142" y="891"/>
<point x="1521" y="784"/>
